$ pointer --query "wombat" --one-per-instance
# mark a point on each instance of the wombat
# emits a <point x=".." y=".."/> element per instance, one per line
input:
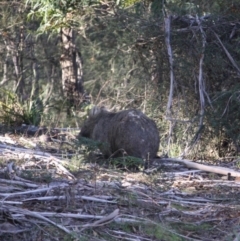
<point x="128" y="131"/>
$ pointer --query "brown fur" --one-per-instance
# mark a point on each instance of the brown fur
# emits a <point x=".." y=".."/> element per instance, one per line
<point x="128" y="130"/>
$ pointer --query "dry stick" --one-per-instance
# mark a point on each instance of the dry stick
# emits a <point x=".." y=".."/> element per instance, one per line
<point x="123" y="219"/>
<point x="202" y="91"/>
<point x="227" y="105"/>
<point x="24" y="150"/>
<point x="183" y="173"/>
<point x="227" y="53"/>
<point x="198" y="200"/>
<point x="38" y="216"/>
<point x="103" y="221"/>
<point x="214" y="169"/>
<point x="212" y="182"/>
<point x="181" y="202"/>
<point x="167" y="25"/>
<point x="200" y="76"/>
<point x="45" y="189"/>
<point x="68" y="215"/>
<point x="51" y="198"/>
<point x="24" y="184"/>
<point x="10" y="202"/>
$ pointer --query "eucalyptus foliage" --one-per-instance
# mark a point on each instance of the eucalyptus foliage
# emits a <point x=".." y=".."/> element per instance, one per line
<point x="58" y="13"/>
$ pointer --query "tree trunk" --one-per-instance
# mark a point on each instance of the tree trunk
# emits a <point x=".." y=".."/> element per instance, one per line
<point x="71" y="64"/>
<point x="14" y="43"/>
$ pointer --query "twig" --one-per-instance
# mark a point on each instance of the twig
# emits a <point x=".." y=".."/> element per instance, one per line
<point x="227" y="53"/>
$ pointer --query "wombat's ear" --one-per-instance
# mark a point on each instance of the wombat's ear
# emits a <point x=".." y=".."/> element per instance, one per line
<point x="104" y="109"/>
<point x="94" y="111"/>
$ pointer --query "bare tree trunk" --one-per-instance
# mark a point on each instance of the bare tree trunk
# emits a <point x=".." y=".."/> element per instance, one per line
<point x="71" y="64"/>
<point x="5" y="69"/>
<point x="14" y="46"/>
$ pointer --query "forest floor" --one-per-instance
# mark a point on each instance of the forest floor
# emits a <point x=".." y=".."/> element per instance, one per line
<point x="49" y="191"/>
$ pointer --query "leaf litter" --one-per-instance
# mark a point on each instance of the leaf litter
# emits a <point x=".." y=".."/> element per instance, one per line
<point x="43" y="199"/>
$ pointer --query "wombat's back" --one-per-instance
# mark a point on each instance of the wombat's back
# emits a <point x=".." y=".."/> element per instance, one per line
<point x="128" y="130"/>
<point x="134" y="132"/>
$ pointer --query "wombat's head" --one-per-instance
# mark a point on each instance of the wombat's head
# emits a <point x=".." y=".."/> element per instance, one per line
<point x="94" y="115"/>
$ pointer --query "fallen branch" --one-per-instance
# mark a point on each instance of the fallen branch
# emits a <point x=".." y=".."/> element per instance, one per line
<point x="52" y="198"/>
<point x="38" y="216"/>
<point x="36" y="191"/>
<point x="214" y="169"/>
